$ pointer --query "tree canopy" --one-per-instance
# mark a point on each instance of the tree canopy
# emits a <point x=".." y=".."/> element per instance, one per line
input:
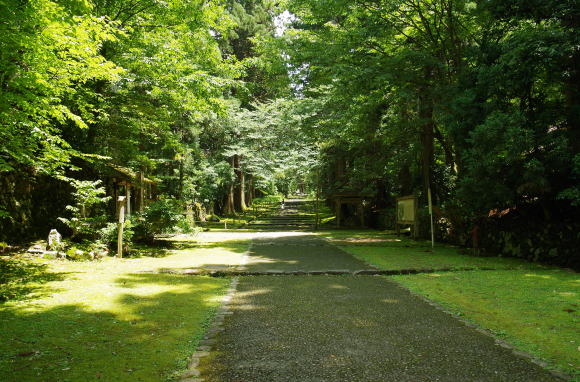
<point x="218" y="100"/>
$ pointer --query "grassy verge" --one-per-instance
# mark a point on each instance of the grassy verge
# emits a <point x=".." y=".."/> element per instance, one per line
<point x="106" y="320"/>
<point x="535" y="310"/>
<point x="369" y="237"/>
<point x="425" y="258"/>
<point x="388" y="251"/>
<point x="531" y="306"/>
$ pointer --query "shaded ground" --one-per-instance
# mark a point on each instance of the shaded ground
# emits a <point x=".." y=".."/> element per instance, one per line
<point x="346" y="328"/>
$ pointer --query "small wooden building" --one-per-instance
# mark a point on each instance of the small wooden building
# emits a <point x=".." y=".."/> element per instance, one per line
<point x="136" y="188"/>
<point x="343" y="200"/>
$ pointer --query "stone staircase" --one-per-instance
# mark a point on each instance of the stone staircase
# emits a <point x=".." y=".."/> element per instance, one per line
<point x="292" y="215"/>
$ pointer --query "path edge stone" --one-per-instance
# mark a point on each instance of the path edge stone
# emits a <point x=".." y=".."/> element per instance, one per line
<point x="192" y="374"/>
<point x="245" y="257"/>
<point x="498" y="341"/>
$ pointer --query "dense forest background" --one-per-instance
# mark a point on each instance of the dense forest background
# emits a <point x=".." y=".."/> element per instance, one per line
<point x="212" y="103"/>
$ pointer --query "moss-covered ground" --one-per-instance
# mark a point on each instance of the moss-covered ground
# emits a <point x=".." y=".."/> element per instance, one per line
<point x="535" y="310"/>
<point x="110" y="320"/>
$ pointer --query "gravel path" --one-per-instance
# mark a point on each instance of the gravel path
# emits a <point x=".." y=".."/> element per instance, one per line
<point x="346" y="328"/>
<point x="302" y="252"/>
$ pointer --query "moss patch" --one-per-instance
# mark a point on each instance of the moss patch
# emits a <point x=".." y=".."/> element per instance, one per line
<point x="535" y="310"/>
<point x="386" y="257"/>
<point x="106" y="320"/>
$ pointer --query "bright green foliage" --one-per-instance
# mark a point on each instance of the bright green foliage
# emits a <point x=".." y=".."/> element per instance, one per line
<point x="272" y="145"/>
<point x="161" y="216"/>
<point x="478" y="101"/>
<point x="49" y="52"/>
<point x="216" y="101"/>
<point x="87" y="196"/>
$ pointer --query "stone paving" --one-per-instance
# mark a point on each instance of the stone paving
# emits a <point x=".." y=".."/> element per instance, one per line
<point x="343" y="328"/>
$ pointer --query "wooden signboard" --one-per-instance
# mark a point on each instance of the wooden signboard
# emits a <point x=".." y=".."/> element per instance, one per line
<point x="407" y="213"/>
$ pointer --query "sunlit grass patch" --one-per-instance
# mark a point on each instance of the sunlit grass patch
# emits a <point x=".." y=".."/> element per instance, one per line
<point x="366" y="236"/>
<point x="107" y="326"/>
<point x="536" y="310"/>
<point x="111" y="320"/>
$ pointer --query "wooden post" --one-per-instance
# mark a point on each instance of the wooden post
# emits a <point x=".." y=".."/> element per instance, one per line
<point x="431" y="216"/>
<point x="361" y="213"/>
<point x="317" y="221"/>
<point x="416" y="222"/>
<point x="141" y="192"/>
<point x="120" y="224"/>
<point x="128" y="191"/>
<point x="338" y="211"/>
<point x="397" y="229"/>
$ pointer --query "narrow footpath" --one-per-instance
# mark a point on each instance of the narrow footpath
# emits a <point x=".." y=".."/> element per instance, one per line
<point x="309" y="328"/>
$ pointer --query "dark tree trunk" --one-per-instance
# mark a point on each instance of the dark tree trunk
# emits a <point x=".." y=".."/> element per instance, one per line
<point x="249" y="191"/>
<point x="229" y="202"/>
<point x="239" y="198"/>
<point x="427" y="136"/>
<point x="181" y="179"/>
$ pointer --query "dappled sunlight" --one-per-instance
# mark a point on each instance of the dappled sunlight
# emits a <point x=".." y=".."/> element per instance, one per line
<point x="567" y="294"/>
<point x="85" y="329"/>
<point x="390" y="301"/>
<point x="254" y="292"/>
<point x="360" y="322"/>
<point x="282" y="234"/>
<point x="265" y="260"/>
<point x="224" y="236"/>
<point x="539" y="276"/>
<point x="243" y="300"/>
<point x="337" y="286"/>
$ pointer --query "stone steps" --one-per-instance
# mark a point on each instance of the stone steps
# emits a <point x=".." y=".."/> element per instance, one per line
<point x="289" y="217"/>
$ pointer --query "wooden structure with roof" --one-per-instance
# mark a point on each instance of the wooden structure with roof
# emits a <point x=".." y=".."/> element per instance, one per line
<point x="123" y="181"/>
<point x="341" y="199"/>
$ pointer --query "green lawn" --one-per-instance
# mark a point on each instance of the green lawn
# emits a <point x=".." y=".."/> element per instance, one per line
<point x="109" y="320"/>
<point x="535" y="310"/>
<point x="424" y="258"/>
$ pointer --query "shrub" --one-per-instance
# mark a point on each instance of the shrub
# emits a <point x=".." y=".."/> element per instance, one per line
<point x="108" y="235"/>
<point x="87" y="196"/>
<point x="162" y="216"/>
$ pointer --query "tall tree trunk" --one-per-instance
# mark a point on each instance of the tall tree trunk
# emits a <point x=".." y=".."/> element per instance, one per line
<point x="181" y="178"/>
<point x="447" y="148"/>
<point x="229" y="205"/>
<point x="427" y="136"/>
<point x="572" y="93"/>
<point x="249" y="196"/>
<point x="239" y="199"/>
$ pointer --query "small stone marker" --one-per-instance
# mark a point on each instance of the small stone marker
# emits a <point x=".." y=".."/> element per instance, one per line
<point x="54" y="240"/>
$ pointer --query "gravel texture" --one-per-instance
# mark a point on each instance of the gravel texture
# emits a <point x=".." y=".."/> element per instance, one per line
<point x="346" y="328"/>
<point x="351" y="328"/>
<point x="299" y="253"/>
